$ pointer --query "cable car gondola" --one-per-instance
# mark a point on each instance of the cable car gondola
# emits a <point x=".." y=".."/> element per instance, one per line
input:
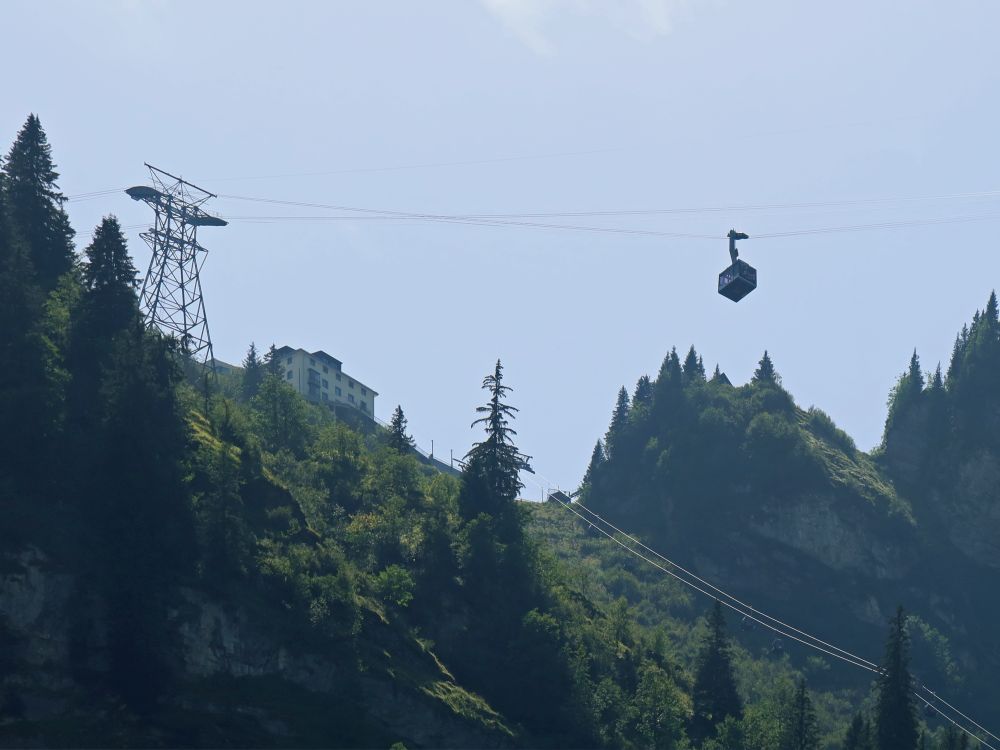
<point x="737" y="281"/>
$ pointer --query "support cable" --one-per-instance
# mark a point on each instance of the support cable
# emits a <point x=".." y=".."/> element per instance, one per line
<point x="727" y="595"/>
<point x="851" y="659"/>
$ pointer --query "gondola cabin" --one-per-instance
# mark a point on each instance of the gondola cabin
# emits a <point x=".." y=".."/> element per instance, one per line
<point x="737" y="281"/>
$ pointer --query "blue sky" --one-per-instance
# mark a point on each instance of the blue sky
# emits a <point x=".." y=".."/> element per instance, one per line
<point x="553" y="106"/>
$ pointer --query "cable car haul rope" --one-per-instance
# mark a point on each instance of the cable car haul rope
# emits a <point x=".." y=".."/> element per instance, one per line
<point x="930" y="701"/>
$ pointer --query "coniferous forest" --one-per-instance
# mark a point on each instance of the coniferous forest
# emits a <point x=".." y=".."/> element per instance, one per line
<point x="197" y="561"/>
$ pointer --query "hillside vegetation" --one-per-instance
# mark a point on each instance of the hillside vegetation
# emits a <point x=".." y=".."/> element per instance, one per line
<point x="187" y="561"/>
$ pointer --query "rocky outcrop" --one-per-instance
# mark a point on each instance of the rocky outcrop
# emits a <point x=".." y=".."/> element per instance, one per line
<point x="40" y="619"/>
<point x="840" y="535"/>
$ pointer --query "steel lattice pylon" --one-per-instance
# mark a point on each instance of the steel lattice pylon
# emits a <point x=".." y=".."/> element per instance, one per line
<point x="171" y="296"/>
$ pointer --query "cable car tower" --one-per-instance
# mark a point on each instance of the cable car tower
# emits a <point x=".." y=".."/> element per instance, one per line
<point x="171" y="296"/>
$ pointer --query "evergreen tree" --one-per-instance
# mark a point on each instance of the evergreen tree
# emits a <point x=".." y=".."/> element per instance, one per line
<point x="859" y="734"/>
<point x="398" y="439"/>
<point x="106" y="308"/>
<point x="937" y="382"/>
<point x="139" y="508"/>
<point x="29" y="392"/>
<point x="643" y="394"/>
<point x="802" y="732"/>
<point x="693" y="369"/>
<point x="108" y="304"/>
<point x="765" y="372"/>
<point x="272" y="362"/>
<point x="668" y="391"/>
<point x="990" y="314"/>
<point x="491" y="479"/>
<point x="36" y="205"/>
<point x="895" y="714"/>
<point x="714" y="693"/>
<point x="281" y="416"/>
<point x="957" y="355"/>
<point x="253" y="373"/>
<point x="619" y="422"/>
<point x="905" y="396"/>
<point x="597" y="460"/>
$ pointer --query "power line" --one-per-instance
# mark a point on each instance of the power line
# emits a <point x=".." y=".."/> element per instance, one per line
<point x="736" y="609"/>
<point x="522" y="220"/>
<point x="723" y="593"/>
<point x="863" y="664"/>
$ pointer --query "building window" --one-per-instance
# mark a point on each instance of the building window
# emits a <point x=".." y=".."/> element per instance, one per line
<point x="288" y="361"/>
<point x="350" y="383"/>
<point x="364" y="391"/>
<point x="326" y="369"/>
<point x="350" y="397"/>
<point x="326" y="383"/>
<point x="312" y="362"/>
<point x="364" y="406"/>
<point x="339" y="392"/>
<point x="289" y="376"/>
<point x="324" y="397"/>
<point x="338" y="376"/>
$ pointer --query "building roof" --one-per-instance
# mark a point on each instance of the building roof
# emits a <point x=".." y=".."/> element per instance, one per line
<point x="318" y="354"/>
<point x="324" y="357"/>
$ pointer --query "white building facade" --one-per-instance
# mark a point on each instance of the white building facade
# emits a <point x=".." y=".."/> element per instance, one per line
<point x="321" y="379"/>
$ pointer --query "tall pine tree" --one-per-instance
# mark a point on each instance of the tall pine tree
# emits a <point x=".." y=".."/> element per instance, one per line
<point x="619" y="423"/>
<point x="802" y="732"/>
<point x="29" y="393"/>
<point x="765" y="372"/>
<point x="693" y="369"/>
<point x="36" y="205"/>
<point x="398" y="439"/>
<point x="597" y="460"/>
<point x="253" y="373"/>
<point x="895" y="713"/>
<point x="106" y="308"/>
<point x="715" y="696"/>
<point x="642" y="396"/>
<point x="491" y="479"/>
<point x="859" y="734"/>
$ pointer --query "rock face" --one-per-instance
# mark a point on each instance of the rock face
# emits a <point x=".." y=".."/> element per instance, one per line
<point x="974" y="520"/>
<point x="40" y="618"/>
<point x="836" y="534"/>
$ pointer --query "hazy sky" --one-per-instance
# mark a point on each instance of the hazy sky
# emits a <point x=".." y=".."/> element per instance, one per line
<point x="552" y="106"/>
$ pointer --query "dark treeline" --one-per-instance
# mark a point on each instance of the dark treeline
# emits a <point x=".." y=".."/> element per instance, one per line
<point x="149" y="487"/>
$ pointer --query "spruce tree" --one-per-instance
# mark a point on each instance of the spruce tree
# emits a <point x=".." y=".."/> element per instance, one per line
<point x="109" y="280"/>
<point x="643" y="393"/>
<point x="619" y="422"/>
<point x="398" y="439"/>
<point x="895" y="713"/>
<point x="253" y="373"/>
<point x="693" y="369"/>
<point x="106" y="308"/>
<point x="714" y="695"/>
<point x="859" y="734"/>
<point x="29" y="391"/>
<point x="597" y="460"/>
<point x="36" y="205"/>
<point x="905" y="396"/>
<point x="802" y="732"/>
<point x="138" y="505"/>
<point x="491" y="479"/>
<point x="272" y="362"/>
<point x="957" y="355"/>
<point x="990" y="314"/>
<point x="765" y="372"/>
